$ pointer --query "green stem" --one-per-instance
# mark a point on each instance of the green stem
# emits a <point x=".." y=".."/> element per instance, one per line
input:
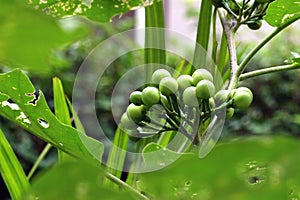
<point x="154" y="38"/>
<point x="39" y="160"/>
<point x="229" y="33"/>
<point x="262" y="44"/>
<point x="203" y="34"/>
<point x="269" y="70"/>
<point x="126" y="186"/>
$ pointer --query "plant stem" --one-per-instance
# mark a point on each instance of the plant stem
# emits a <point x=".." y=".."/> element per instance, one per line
<point x="125" y="185"/>
<point x="39" y="160"/>
<point x="269" y="70"/>
<point x="203" y="34"/>
<point x="228" y="26"/>
<point x="263" y="43"/>
<point x="154" y="38"/>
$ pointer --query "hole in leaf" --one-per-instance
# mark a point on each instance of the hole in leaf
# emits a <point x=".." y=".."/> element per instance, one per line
<point x="35" y="95"/>
<point x="10" y="103"/>
<point x="43" y="123"/>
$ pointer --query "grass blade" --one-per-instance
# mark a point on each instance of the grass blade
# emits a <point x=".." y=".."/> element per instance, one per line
<point x="61" y="111"/>
<point x="11" y="170"/>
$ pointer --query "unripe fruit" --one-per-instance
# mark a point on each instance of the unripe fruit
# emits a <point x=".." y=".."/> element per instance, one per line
<point x="184" y="81"/>
<point x="136" y="98"/>
<point x="205" y="89"/>
<point x="201" y="74"/>
<point x="189" y="97"/>
<point x="150" y="96"/>
<point x="242" y="98"/>
<point x="221" y="96"/>
<point x="126" y="123"/>
<point x="254" y="25"/>
<point x="168" y="86"/>
<point x="135" y="113"/>
<point x="159" y="74"/>
<point x="229" y="113"/>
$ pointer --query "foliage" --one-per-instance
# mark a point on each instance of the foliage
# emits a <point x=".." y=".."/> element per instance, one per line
<point x="257" y="165"/>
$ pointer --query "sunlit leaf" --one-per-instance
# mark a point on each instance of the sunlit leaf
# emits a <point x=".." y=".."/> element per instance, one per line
<point x="28" y="36"/>
<point x="98" y="10"/>
<point x="261" y="168"/>
<point x="282" y="11"/>
<point x="27" y="107"/>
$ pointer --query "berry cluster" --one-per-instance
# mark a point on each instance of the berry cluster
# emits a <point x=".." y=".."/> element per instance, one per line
<point x="182" y="104"/>
<point x="246" y="12"/>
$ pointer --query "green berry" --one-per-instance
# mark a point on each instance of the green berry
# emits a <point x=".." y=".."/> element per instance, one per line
<point x="159" y="74"/>
<point x="184" y="81"/>
<point x="150" y="96"/>
<point x="201" y="74"/>
<point x="205" y="89"/>
<point x="221" y="96"/>
<point x="254" y="25"/>
<point x="189" y="97"/>
<point x="136" y="98"/>
<point x="168" y="86"/>
<point x="229" y="113"/>
<point x="242" y="98"/>
<point x="135" y="113"/>
<point x="126" y="123"/>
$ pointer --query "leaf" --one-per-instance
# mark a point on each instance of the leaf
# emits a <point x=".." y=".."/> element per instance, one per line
<point x="11" y="170"/>
<point x="258" y="168"/>
<point x="155" y="156"/>
<point x="73" y="180"/>
<point x="282" y="11"/>
<point x="28" y="36"/>
<point x="27" y="107"/>
<point x="97" y="10"/>
<point x="61" y="110"/>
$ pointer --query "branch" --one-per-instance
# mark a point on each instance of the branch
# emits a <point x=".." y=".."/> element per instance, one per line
<point x="228" y="26"/>
<point x="269" y="70"/>
<point x="263" y="43"/>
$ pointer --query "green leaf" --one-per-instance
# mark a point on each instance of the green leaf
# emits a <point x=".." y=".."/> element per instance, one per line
<point x="98" y="10"/>
<point x="282" y="11"/>
<point x="28" y="36"/>
<point x="258" y="168"/>
<point x="61" y="110"/>
<point x="11" y="170"/>
<point x="73" y="180"/>
<point x="22" y="104"/>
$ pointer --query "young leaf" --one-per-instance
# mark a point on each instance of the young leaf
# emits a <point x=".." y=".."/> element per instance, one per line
<point x="11" y="170"/>
<point x="282" y="11"/>
<point x="61" y="109"/>
<point x="22" y="104"/>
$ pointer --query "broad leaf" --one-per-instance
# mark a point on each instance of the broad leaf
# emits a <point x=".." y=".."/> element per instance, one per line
<point x="28" y="36"/>
<point x="282" y="11"/>
<point x="27" y="107"/>
<point x="97" y="10"/>
<point x="78" y="180"/>
<point x="261" y="168"/>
